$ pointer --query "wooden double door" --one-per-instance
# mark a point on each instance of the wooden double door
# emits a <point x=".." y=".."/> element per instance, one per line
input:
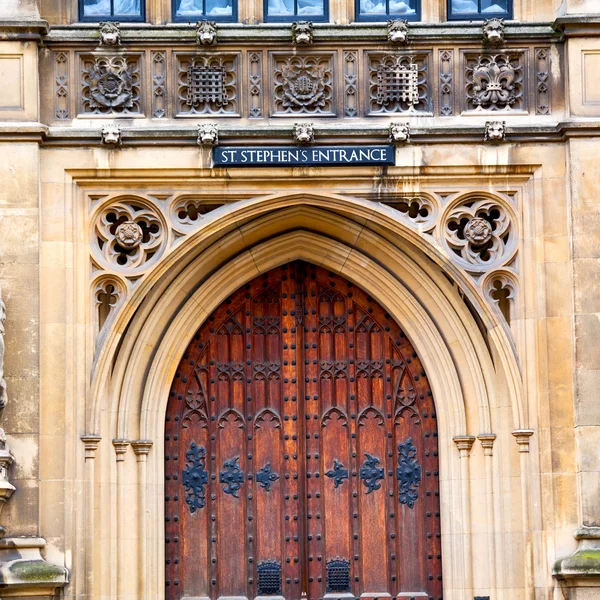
<point x="301" y="450"/>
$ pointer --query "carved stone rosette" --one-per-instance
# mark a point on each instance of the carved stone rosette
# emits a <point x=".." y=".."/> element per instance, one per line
<point x="480" y="233"/>
<point x="110" y="84"/>
<point x="129" y="236"/>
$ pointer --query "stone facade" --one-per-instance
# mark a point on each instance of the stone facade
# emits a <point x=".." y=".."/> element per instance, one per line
<point x="118" y="239"/>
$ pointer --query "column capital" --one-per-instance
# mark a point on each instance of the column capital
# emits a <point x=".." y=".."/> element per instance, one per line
<point x="142" y="448"/>
<point x="487" y="442"/>
<point x="522" y="436"/>
<point x="91" y="442"/>
<point x="464" y="443"/>
<point x="120" y="448"/>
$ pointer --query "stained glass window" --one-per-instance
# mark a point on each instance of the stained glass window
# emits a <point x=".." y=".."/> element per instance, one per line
<point x="479" y="9"/>
<point x="213" y="10"/>
<point x="290" y="10"/>
<point x="381" y="10"/>
<point x="124" y="10"/>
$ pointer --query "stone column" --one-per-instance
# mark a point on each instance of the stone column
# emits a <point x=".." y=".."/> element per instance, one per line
<point x="141" y="449"/>
<point x="120" y="451"/>
<point x="91" y="443"/>
<point x="487" y="442"/>
<point x="464" y="443"/>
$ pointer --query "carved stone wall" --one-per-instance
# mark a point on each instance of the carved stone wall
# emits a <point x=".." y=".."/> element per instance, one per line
<point x="348" y="82"/>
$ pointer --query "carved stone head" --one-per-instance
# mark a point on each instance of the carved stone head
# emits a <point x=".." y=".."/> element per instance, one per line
<point x="495" y="131"/>
<point x="302" y="33"/>
<point x="206" y="33"/>
<point x="110" y="33"/>
<point x="400" y="133"/>
<point x="111" y="134"/>
<point x="208" y="134"/>
<point x="398" y="31"/>
<point x="304" y="133"/>
<point x="493" y="31"/>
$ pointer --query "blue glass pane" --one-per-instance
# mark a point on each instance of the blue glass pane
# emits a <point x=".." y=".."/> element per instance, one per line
<point x="219" y="8"/>
<point x="189" y="8"/>
<point x="280" y="8"/>
<point x="308" y="8"/>
<point x="397" y="7"/>
<point x="466" y="7"/>
<point x="494" y="6"/>
<point x="127" y="7"/>
<point x="96" y="8"/>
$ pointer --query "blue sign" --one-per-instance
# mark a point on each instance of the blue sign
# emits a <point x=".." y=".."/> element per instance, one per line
<point x="298" y="156"/>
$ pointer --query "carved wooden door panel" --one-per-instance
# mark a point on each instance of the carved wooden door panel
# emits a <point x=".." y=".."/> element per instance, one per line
<point x="301" y="450"/>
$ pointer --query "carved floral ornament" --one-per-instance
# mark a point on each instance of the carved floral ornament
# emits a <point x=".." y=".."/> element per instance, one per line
<point x="130" y="235"/>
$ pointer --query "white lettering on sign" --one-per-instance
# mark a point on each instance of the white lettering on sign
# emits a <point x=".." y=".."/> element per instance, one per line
<point x="294" y="156"/>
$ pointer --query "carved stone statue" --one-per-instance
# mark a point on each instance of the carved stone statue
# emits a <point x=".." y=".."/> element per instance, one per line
<point x="3" y="395"/>
<point x="495" y="131"/>
<point x="206" y="33"/>
<point x="302" y="33"/>
<point x="110" y="33"/>
<point x="400" y="133"/>
<point x="493" y="31"/>
<point x="111" y="134"/>
<point x="304" y="133"/>
<point x="208" y="134"/>
<point x="397" y="31"/>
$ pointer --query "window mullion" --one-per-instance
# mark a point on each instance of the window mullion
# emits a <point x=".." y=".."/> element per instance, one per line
<point x="112" y="8"/>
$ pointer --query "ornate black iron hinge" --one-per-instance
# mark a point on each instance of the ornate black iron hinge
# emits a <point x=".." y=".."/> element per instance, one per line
<point x="408" y="473"/>
<point x="195" y="476"/>
<point x="370" y="473"/>
<point x="266" y="476"/>
<point x="338" y="473"/>
<point x="232" y="476"/>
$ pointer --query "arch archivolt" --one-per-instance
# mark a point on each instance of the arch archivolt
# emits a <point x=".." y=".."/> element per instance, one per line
<point x="420" y="261"/>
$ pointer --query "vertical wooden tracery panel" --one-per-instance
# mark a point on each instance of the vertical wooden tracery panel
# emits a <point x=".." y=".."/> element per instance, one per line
<point x="301" y="449"/>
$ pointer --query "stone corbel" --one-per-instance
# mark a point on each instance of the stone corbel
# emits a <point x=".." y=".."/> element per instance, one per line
<point x="581" y="570"/>
<point x="24" y="573"/>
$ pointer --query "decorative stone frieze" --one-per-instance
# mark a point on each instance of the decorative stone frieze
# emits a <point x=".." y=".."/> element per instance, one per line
<point x="303" y="84"/>
<point x="398" y="83"/>
<point x="208" y="134"/>
<point x="206" y="33"/>
<point x="397" y="31"/>
<point x="303" y="133"/>
<point x="495" y="131"/>
<point x="111" y="134"/>
<point x="493" y="31"/>
<point x="111" y="84"/>
<point x="207" y="84"/>
<point x="159" y="84"/>
<point x="302" y="33"/>
<point x="495" y="82"/>
<point x="61" y="86"/>
<point x="400" y="133"/>
<point x="110" y="33"/>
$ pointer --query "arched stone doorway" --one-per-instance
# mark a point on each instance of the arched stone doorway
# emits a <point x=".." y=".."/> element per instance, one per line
<point x="301" y="453"/>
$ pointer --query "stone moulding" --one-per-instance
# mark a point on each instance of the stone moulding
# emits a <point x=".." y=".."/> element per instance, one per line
<point x="583" y="566"/>
<point x="23" y="571"/>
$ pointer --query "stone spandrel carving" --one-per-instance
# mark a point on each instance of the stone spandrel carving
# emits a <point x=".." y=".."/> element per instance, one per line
<point x="495" y="82"/>
<point x="129" y="236"/>
<point x="111" y="84"/>
<point x="480" y="233"/>
<point x="398" y="83"/>
<point x="208" y="84"/>
<point x="303" y="85"/>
